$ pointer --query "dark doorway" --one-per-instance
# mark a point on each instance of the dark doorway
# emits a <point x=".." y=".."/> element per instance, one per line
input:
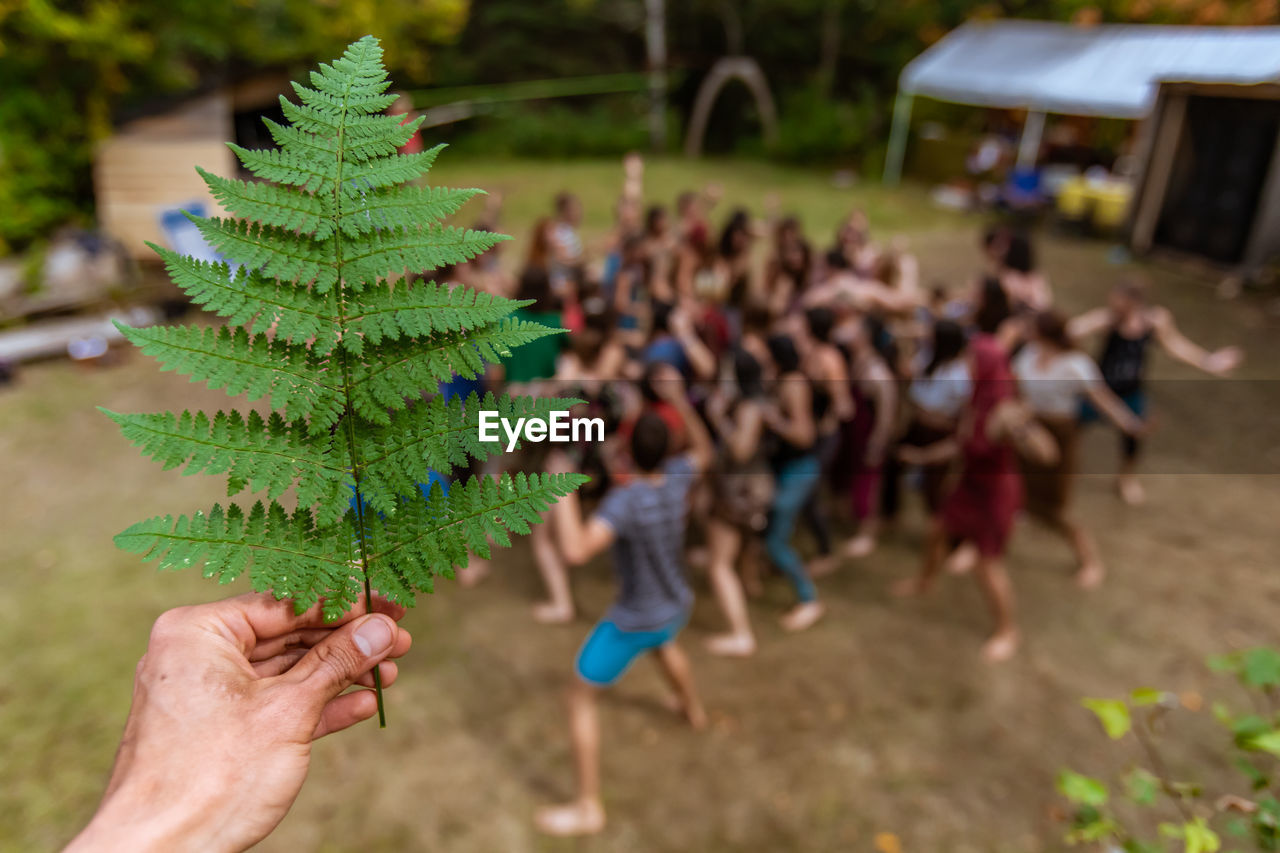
<point x="1218" y="174"/>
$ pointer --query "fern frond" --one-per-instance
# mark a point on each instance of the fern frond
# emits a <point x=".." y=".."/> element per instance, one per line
<point x="429" y="537"/>
<point x="387" y="172"/>
<point x="403" y="207"/>
<point x="374" y="254"/>
<point x="329" y="122"/>
<point x="272" y="251"/>
<point x="409" y="365"/>
<point x="339" y="344"/>
<point x="269" y="204"/>
<point x="272" y="164"/>
<point x="435" y="435"/>
<point x="246" y="296"/>
<point x="390" y="313"/>
<point x="289" y="375"/>
<point x="269" y="542"/>
<point x="261" y="454"/>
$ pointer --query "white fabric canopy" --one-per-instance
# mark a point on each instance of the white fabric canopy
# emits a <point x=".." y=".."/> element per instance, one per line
<point x="1109" y="70"/>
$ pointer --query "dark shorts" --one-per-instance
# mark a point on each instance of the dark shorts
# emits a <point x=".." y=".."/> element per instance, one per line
<point x="1135" y="400"/>
<point x="609" y="650"/>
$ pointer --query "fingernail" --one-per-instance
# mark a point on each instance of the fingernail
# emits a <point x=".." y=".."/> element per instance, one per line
<point x="373" y="635"/>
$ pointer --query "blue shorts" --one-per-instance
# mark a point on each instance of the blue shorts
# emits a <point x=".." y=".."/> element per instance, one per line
<point x="609" y="650"/>
<point x="1135" y="400"/>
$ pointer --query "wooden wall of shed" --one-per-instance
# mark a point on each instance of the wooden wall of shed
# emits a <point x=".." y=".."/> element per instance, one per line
<point x="149" y="165"/>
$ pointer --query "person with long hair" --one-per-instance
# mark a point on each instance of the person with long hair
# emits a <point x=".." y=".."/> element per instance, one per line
<point x="788" y="417"/>
<point x="789" y="270"/>
<point x="743" y="492"/>
<point x="984" y="504"/>
<point x="1055" y="378"/>
<point x="1027" y="286"/>
<point x="936" y="398"/>
<point x="827" y="368"/>
<point x="874" y="390"/>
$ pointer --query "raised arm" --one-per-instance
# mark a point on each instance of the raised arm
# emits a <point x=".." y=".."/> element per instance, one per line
<point x="670" y="386"/>
<point x="700" y="358"/>
<point x="1089" y="323"/>
<point x="1219" y="363"/>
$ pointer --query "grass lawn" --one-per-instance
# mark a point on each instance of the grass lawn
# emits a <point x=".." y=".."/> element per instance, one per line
<point x="882" y="718"/>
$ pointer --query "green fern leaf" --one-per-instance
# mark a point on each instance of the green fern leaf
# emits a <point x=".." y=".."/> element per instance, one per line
<point x="322" y="326"/>
<point x="396" y="249"/>
<point x="440" y="435"/>
<point x="428" y="538"/>
<point x="289" y="375"/>
<point x="404" y="207"/>
<point x="380" y="387"/>
<point x="388" y="314"/>
<point x="245" y="297"/>
<point x="269" y="204"/>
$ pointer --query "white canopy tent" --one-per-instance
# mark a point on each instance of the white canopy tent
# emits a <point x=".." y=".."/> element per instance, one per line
<point x="1109" y="70"/>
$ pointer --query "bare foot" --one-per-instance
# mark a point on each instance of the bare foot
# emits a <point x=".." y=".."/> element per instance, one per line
<point x="550" y="613"/>
<point x="803" y="616"/>
<point x="1090" y="575"/>
<point x="1001" y="646"/>
<point x="860" y="546"/>
<point x="696" y="716"/>
<point x="962" y="559"/>
<point x="732" y="645"/>
<point x="821" y="566"/>
<point x="583" y="817"/>
<point x="475" y="572"/>
<point x="908" y="588"/>
<point x="1131" y="491"/>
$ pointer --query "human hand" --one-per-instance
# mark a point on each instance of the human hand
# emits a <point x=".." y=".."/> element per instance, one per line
<point x="910" y="455"/>
<point x="227" y="701"/>
<point x="1223" y="361"/>
<point x="668" y="384"/>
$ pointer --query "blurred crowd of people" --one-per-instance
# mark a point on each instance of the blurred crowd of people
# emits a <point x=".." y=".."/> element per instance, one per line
<point x="765" y="390"/>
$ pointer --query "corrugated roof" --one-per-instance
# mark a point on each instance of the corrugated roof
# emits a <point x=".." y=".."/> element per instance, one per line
<point x="1104" y="70"/>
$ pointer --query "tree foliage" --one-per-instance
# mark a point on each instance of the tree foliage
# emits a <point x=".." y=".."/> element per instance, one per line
<point x="68" y="70"/>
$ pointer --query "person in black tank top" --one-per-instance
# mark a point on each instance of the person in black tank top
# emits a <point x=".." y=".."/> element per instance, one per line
<point x="1131" y="324"/>
<point x="789" y="424"/>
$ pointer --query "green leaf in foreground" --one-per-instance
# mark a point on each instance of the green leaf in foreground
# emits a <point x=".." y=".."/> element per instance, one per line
<point x="334" y="324"/>
<point x="1113" y="714"/>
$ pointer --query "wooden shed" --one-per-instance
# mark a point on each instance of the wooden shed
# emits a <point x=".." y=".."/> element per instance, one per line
<point x="1209" y="183"/>
<point x="148" y="165"/>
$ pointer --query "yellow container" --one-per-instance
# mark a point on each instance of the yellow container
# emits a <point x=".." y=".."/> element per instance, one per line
<point x="1073" y="199"/>
<point x="1111" y="205"/>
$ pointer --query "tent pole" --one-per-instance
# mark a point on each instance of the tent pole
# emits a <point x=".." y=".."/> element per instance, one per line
<point x="1029" y="145"/>
<point x="898" y="137"/>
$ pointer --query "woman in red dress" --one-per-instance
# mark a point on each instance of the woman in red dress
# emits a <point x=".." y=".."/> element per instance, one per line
<point x="982" y="507"/>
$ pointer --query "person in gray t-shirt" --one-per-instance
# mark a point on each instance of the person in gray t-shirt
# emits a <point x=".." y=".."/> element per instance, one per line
<point x="643" y="522"/>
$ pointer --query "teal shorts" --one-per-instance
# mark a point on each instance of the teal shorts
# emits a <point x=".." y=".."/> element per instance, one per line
<point x="609" y="650"/>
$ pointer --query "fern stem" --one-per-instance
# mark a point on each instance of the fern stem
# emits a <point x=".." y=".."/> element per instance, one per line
<point x="348" y="415"/>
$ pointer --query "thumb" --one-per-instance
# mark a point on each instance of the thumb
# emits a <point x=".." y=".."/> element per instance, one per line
<point x="333" y="664"/>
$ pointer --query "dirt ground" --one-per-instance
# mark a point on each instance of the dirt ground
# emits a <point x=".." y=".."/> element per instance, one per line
<point x="880" y="719"/>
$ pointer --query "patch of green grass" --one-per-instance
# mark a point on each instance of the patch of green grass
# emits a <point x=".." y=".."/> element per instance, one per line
<point x="528" y="188"/>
